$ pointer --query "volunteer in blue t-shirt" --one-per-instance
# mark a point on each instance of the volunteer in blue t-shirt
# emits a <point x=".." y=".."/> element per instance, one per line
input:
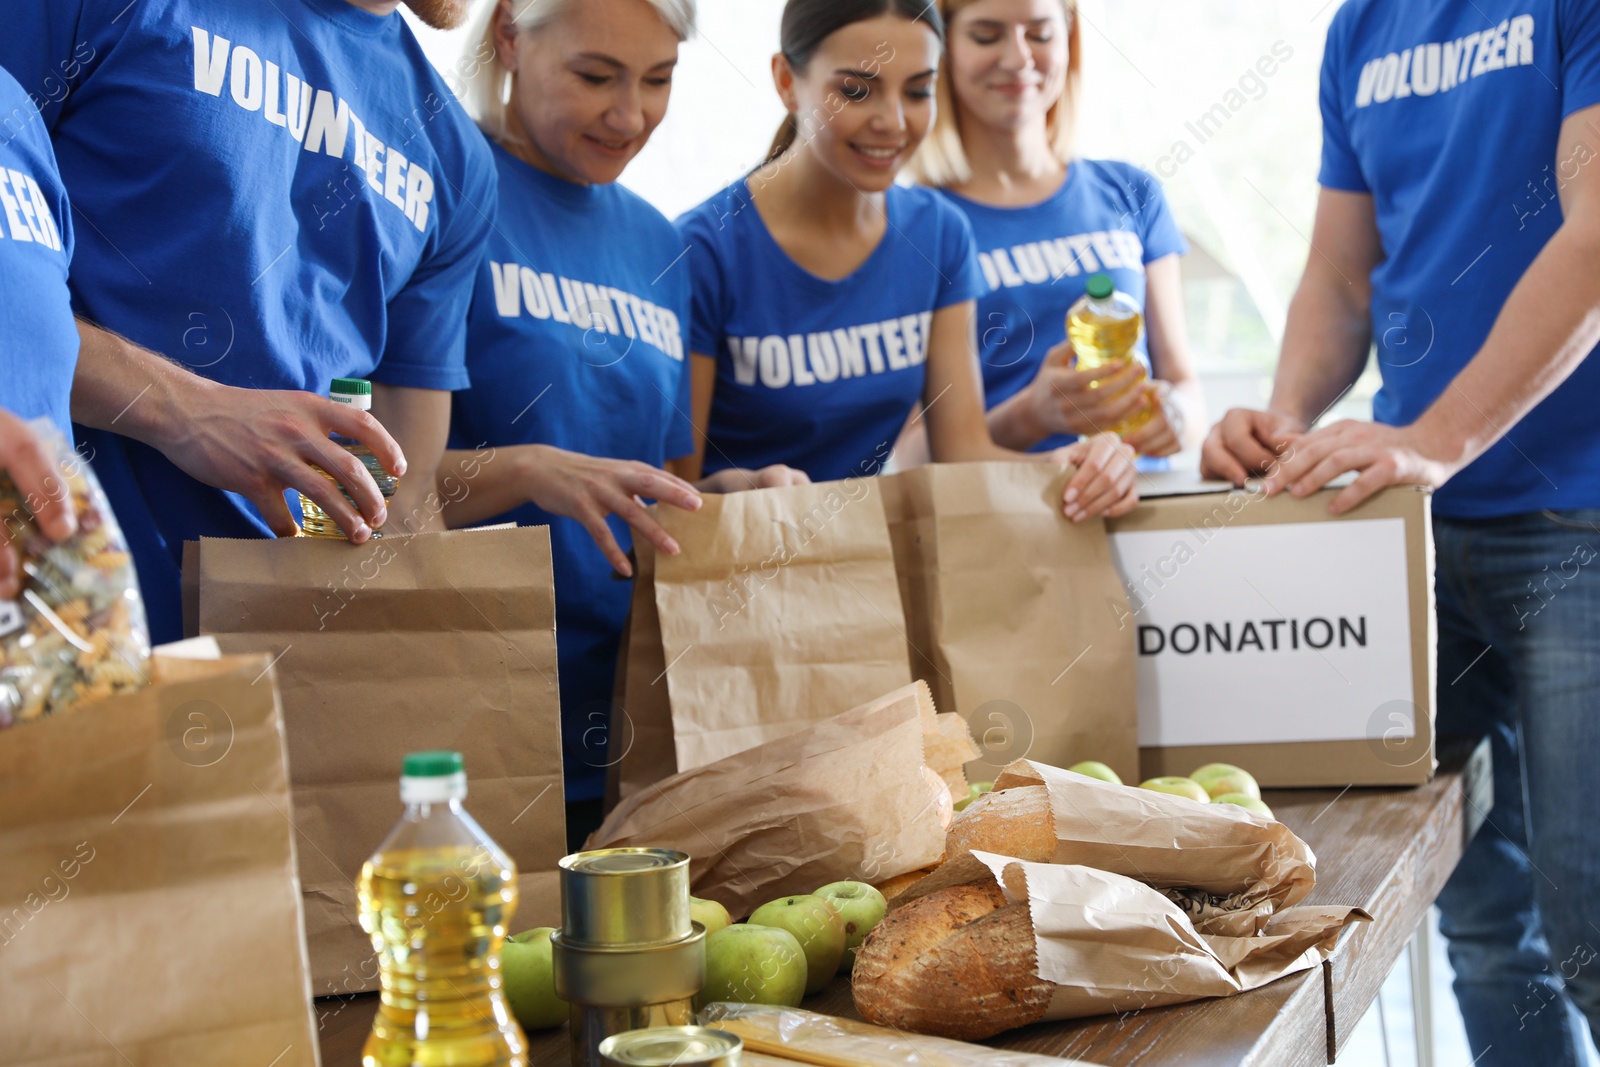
<point x="828" y="301"/>
<point x="1045" y="222"/>
<point x="1458" y="226"/>
<point x="38" y="337"/>
<point x="270" y="194"/>
<point x="577" y="336"/>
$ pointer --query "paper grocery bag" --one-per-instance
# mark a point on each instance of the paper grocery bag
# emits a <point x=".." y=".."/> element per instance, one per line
<point x="1006" y="608"/>
<point x="431" y="641"/>
<point x="782" y="609"/>
<point x="149" y="907"/>
<point x="860" y="795"/>
<point x="640" y="740"/>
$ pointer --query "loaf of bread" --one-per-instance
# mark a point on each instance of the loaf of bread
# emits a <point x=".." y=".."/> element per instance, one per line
<point x="893" y="887"/>
<point x="1015" y="822"/>
<point x="959" y="962"/>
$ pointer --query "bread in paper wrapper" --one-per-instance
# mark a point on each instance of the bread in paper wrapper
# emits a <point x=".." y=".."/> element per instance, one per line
<point x="860" y="796"/>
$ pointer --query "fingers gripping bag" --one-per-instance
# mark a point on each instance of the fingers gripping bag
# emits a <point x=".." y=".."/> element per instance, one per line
<point x="77" y="631"/>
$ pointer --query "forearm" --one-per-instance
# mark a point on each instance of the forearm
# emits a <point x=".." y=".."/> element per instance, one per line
<point x="1548" y="325"/>
<point x="419" y="422"/>
<point x="1326" y="342"/>
<point x="131" y="390"/>
<point x="1012" y="423"/>
<point x="479" y="486"/>
<point x="1190" y="400"/>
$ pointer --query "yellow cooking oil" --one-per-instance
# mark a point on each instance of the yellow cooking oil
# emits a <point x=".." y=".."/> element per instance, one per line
<point x="436" y="899"/>
<point x="1104" y="326"/>
<point x="357" y="392"/>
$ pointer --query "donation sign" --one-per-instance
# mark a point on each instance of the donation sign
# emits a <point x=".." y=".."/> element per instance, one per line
<point x="1295" y="632"/>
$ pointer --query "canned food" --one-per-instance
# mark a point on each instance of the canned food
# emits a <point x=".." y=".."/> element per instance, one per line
<point x="672" y="1046"/>
<point x="625" y="896"/>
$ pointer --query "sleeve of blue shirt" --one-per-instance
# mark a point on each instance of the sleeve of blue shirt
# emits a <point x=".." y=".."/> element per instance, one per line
<point x="1160" y="233"/>
<point x="426" y="346"/>
<point x="1341" y="169"/>
<point x="707" y="292"/>
<point x="50" y="47"/>
<point x="960" y="277"/>
<point x="1580" y="55"/>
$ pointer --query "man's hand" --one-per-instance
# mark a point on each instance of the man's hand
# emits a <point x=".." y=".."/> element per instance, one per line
<point x="588" y="489"/>
<point x="737" y="479"/>
<point x="45" y="494"/>
<point x="1106" y="482"/>
<point x="259" y="442"/>
<point x="1247" y="443"/>
<point x="1384" y="456"/>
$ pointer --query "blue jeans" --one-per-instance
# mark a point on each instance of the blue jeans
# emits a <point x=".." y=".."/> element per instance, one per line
<point x="1519" y="660"/>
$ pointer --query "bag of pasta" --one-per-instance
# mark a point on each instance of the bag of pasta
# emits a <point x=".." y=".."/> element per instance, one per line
<point x="77" y="631"/>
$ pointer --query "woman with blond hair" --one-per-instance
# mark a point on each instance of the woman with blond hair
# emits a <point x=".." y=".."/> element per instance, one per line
<point x="1045" y="221"/>
<point x="577" y="333"/>
<point x="829" y="302"/>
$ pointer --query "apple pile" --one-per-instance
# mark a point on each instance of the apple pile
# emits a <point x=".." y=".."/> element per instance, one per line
<point x="1215" y="783"/>
<point x="790" y="947"/>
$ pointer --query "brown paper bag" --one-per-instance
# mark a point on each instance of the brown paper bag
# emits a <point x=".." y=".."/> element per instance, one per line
<point x="1108" y="943"/>
<point x="149" y="908"/>
<point x="782" y="608"/>
<point x="641" y="750"/>
<point x="851" y="797"/>
<point x="1005" y="604"/>
<point x="433" y="641"/>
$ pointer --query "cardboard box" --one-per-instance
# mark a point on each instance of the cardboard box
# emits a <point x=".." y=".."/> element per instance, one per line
<point x="1276" y="637"/>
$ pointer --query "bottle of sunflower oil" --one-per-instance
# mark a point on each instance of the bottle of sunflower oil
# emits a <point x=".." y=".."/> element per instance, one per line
<point x="1104" y="326"/>
<point x="356" y="392"/>
<point x="436" y="898"/>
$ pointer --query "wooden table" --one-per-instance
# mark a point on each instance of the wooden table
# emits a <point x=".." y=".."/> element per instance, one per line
<point x="1388" y="851"/>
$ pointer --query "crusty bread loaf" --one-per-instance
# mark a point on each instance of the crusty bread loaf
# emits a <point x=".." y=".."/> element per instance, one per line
<point x="959" y="962"/>
<point x="1015" y="822"/>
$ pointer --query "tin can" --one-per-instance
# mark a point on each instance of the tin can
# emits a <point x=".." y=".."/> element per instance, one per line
<point x="672" y="1046"/>
<point x="625" y="896"/>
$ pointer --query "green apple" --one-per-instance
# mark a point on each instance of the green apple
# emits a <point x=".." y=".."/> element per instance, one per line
<point x="753" y="965"/>
<point x="526" y="977"/>
<point x="816" y="924"/>
<point x="1244" y="800"/>
<point x="974" y="791"/>
<point x="1096" y="769"/>
<point x="710" y="914"/>
<point x="861" y="907"/>
<point x="1181" y="787"/>
<point x="1219" y="778"/>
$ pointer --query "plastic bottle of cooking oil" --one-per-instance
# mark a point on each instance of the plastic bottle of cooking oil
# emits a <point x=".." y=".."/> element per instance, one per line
<point x="1103" y="326"/>
<point x="436" y="898"/>
<point x="357" y="392"/>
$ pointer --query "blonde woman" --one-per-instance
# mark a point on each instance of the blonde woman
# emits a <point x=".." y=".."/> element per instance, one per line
<point x="576" y="337"/>
<point x="1045" y="221"/>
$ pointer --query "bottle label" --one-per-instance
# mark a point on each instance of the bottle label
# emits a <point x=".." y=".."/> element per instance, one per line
<point x="11" y="619"/>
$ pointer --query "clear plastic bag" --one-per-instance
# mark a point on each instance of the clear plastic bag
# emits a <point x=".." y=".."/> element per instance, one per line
<point x="791" y="1034"/>
<point x="77" y="632"/>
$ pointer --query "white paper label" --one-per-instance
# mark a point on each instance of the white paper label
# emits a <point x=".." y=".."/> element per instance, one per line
<point x="1252" y="634"/>
<point x="10" y="617"/>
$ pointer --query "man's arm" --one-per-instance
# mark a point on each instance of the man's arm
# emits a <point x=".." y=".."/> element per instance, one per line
<point x="1548" y="325"/>
<point x="1326" y="341"/>
<point x="255" y="442"/>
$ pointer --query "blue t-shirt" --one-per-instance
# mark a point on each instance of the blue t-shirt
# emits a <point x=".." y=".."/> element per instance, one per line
<point x="820" y="375"/>
<point x="273" y="193"/>
<point x="38" y="335"/>
<point x="577" y="338"/>
<point x="1448" y="114"/>
<point x="1107" y="217"/>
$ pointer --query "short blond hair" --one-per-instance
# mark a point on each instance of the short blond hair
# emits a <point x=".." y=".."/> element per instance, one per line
<point x="942" y="158"/>
<point x="488" y="83"/>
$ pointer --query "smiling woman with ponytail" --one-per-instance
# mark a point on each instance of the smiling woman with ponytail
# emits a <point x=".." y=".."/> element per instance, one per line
<point x="829" y="302"/>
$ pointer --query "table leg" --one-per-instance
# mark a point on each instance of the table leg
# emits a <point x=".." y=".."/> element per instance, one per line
<point x="1420" y="952"/>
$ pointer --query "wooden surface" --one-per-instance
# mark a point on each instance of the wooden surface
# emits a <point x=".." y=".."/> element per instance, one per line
<point x="1386" y="850"/>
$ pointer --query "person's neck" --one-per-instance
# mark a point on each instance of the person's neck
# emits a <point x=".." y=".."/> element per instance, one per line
<point x="798" y="186"/>
<point x="1009" y="165"/>
<point x="520" y="145"/>
<point x="375" y="7"/>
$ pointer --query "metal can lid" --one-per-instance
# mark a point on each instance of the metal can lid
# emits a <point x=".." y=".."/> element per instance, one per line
<point x="623" y="860"/>
<point x="672" y="1046"/>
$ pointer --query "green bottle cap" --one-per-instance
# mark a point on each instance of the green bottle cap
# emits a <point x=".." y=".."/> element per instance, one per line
<point x="350" y="387"/>
<point x="431" y="765"/>
<point x="1101" y="286"/>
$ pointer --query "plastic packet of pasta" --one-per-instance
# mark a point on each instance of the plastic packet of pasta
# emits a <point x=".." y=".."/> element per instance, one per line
<point x="77" y="631"/>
